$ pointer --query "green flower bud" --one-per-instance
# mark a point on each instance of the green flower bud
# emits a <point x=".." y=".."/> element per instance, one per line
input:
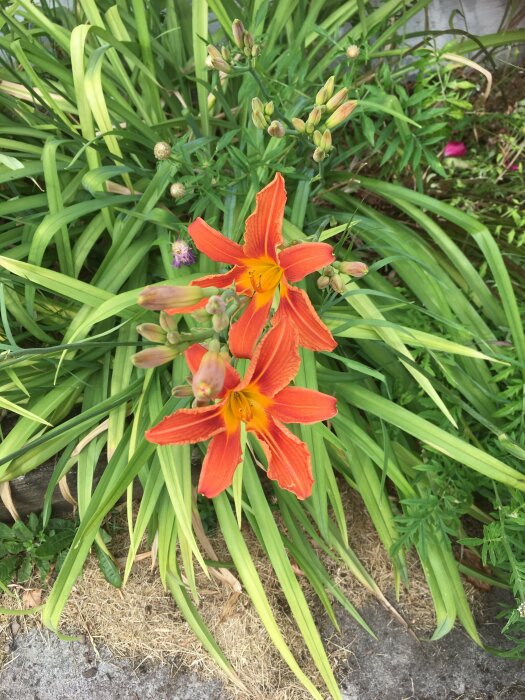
<point x="326" y="141"/>
<point x="259" y="120"/>
<point x="277" y="130"/>
<point x="268" y="108"/>
<point x="323" y="281"/>
<point x="319" y="155"/>
<point x="217" y="60"/>
<point x="336" y="100"/>
<point x="316" y="137"/>
<point x="341" y="114"/>
<point x="353" y="268"/>
<point x="154" y="357"/>
<point x="238" y="33"/>
<point x="152" y="332"/>
<point x="220" y="322"/>
<point x="337" y="284"/>
<point x="299" y="125"/>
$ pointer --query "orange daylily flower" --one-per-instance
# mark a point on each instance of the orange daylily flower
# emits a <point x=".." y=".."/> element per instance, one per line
<point x="260" y="269"/>
<point x="263" y="401"/>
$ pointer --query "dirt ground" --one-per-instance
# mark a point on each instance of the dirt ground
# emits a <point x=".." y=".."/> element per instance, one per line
<point x="39" y="666"/>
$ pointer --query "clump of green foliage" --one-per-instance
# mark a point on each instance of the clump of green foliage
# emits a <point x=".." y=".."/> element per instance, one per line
<point x="431" y="356"/>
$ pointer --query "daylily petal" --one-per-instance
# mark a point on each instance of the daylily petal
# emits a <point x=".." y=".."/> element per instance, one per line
<point x="194" y="355"/>
<point x="295" y="307"/>
<point x="219" y="465"/>
<point x="222" y="280"/>
<point x="294" y="404"/>
<point x="264" y="227"/>
<point x="188" y="425"/>
<point x="275" y="362"/>
<point x="213" y="244"/>
<point x="302" y="259"/>
<point x="245" y="332"/>
<point x="289" y="461"/>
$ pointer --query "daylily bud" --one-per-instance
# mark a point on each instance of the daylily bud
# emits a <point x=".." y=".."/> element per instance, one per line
<point x="238" y="33"/>
<point x="162" y="150"/>
<point x="268" y="108"/>
<point x="341" y="114"/>
<point x="313" y="119"/>
<point x="352" y="51"/>
<point x="326" y="140"/>
<point x="215" y="305"/>
<point x="225" y="53"/>
<point x="168" y="322"/>
<point x="152" y="332"/>
<point x="220" y="322"/>
<point x="337" y="284"/>
<point x="316" y="137"/>
<point x="173" y="337"/>
<point x="259" y="120"/>
<point x="248" y="40"/>
<point x="201" y="316"/>
<point x="323" y="281"/>
<point x="319" y="155"/>
<point x="217" y="60"/>
<point x="299" y="125"/>
<point x="208" y="381"/>
<point x="326" y="92"/>
<point x="257" y="105"/>
<point x="154" y="357"/>
<point x="336" y="100"/>
<point x="255" y="50"/>
<point x="353" y="268"/>
<point x="177" y="190"/>
<point x="182" y="390"/>
<point x="276" y="129"/>
<point x="169" y="297"/>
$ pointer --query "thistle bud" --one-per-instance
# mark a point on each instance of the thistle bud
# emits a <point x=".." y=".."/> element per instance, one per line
<point x="326" y="140"/>
<point x="169" y="297"/>
<point x="354" y="268"/>
<point x="268" y="108"/>
<point x="336" y="100"/>
<point x="323" y="281"/>
<point x="220" y="322"/>
<point x="152" y="332"/>
<point x="154" y="357"/>
<point x="337" y="284"/>
<point x="238" y="33"/>
<point x="299" y="125"/>
<point x="276" y="129"/>
<point x="316" y="137"/>
<point x="319" y="155"/>
<point x="177" y="190"/>
<point x="313" y="119"/>
<point x="341" y="114"/>
<point x="352" y="51"/>
<point x="162" y="150"/>
<point x="217" y="60"/>
<point x="208" y="380"/>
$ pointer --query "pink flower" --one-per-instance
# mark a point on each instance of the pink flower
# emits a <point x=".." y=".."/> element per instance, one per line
<point x="455" y="149"/>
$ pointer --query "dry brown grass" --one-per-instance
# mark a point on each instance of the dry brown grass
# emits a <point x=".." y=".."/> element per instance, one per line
<point x="142" y="624"/>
